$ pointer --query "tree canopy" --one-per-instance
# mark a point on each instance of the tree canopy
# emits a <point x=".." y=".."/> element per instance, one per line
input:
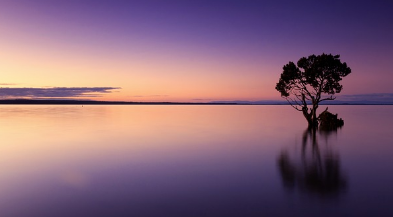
<point x="312" y="80"/>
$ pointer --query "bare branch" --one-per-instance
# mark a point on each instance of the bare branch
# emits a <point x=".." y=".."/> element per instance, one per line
<point x="328" y="98"/>
<point x="294" y="106"/>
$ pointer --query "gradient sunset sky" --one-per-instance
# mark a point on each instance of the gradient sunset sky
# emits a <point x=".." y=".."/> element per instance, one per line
<point x="186" y="50"/>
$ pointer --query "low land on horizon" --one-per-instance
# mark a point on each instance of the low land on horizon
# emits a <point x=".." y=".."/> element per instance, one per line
<point x="97" y="102"/>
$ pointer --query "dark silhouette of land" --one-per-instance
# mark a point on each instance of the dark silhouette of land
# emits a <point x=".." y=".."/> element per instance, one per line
<point x="92" y="102"/>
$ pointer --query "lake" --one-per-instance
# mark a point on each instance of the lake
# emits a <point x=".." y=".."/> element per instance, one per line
<point x="188" y="160"/>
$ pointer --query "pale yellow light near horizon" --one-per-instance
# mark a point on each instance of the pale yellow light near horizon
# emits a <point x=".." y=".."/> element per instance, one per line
<point x="154" y="76"/>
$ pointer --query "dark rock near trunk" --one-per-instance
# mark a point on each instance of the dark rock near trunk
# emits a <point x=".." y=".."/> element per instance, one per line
<point x="329" y="121"/>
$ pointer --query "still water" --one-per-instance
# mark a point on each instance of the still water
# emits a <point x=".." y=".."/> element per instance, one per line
<point x="193" y="161"/>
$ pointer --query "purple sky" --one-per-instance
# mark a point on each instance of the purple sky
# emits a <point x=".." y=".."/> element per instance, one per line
<point x="185" y="50"/>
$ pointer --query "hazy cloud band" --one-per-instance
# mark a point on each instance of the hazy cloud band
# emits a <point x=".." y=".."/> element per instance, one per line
<point x="369" y="97"/>
<point x="58" y="92"/>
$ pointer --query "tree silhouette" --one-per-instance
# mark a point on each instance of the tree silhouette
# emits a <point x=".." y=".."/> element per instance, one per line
<point x="312" y="80"/>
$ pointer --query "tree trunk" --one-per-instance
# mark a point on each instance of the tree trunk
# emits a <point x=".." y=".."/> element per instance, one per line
<point x="308" y="117"/>
<point x="313" y="114"/>
<point x="311" y="117"/>
<point x="312" y="123"/>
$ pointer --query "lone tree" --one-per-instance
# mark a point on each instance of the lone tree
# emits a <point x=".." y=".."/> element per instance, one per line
<point x="312" y="80"/>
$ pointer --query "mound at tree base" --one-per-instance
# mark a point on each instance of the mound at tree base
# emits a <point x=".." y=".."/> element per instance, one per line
<point x="329" y="121"/>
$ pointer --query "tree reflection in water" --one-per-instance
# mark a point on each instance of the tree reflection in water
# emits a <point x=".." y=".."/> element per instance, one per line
<point x="317" y="171"/>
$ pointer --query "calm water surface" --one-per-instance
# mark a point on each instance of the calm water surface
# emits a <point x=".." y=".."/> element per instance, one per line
<point x="193" y="161"/>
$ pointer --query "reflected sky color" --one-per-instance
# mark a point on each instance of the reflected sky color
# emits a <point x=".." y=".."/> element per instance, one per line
<point x="185" y="161"/>
<point x="189" y="50"/>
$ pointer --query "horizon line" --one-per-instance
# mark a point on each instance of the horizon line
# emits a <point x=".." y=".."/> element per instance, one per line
<point x="234" y="102"/>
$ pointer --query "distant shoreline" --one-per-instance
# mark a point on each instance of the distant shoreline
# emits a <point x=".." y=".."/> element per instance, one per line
<point x="92" y="102"/>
